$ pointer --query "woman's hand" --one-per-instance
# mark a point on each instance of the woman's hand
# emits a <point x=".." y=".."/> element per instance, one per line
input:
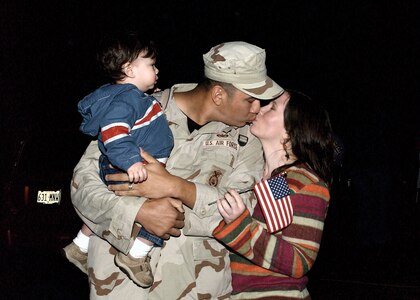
<point x="231" y="206"/>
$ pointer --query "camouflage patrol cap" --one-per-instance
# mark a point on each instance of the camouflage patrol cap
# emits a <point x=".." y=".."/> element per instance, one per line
<point x="242" y="65"/>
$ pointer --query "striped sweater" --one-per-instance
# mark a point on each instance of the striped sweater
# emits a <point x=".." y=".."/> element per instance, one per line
<point x="267" y="266"/>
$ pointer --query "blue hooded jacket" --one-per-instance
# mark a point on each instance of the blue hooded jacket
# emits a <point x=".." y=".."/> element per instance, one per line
<point x="125" y="106"/>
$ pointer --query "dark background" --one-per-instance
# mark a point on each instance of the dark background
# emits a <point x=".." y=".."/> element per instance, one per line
<point x="359" y="58"/>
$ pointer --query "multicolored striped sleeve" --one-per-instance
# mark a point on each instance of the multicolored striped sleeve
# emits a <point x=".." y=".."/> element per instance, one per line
<point x="291" y="251"/>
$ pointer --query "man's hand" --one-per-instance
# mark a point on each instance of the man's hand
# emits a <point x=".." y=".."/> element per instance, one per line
<point x="163" y="217"/>
<point x="159" y="184"/>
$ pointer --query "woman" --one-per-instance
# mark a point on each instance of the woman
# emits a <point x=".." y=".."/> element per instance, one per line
<point x="297" y="140"/>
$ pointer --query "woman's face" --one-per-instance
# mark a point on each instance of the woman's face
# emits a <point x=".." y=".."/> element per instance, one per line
<point x="269" y="123"/>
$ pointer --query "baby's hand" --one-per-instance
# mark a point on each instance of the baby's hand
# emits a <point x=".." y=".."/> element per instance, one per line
<point x="137" y="173"/>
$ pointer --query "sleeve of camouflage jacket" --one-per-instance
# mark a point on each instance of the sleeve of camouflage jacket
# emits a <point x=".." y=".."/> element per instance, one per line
<point x="108" y="216"/>
<point x="247" y="171"/>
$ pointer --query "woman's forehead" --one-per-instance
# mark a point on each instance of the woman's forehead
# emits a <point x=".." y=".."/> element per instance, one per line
<point x="283" y="99"/>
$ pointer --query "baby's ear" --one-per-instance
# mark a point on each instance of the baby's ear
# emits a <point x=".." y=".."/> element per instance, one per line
<point x="128" y="69"/>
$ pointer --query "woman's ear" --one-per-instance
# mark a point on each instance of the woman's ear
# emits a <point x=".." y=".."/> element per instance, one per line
<point x="285" y="137"/>
<point x="217" y="94"/>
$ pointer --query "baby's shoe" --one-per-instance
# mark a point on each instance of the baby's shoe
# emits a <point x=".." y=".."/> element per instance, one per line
<point x="77" y="257"/>
<point x="137" y="269"/>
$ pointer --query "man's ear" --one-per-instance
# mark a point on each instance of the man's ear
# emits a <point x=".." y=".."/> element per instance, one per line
<point x="218" y="94"/>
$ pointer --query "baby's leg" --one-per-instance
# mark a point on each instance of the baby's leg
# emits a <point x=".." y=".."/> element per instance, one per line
<point x="82" y="238"/>
<point x="136" y="265"/>
<point x="141" y="247"/>
<point x="76" y="251"/>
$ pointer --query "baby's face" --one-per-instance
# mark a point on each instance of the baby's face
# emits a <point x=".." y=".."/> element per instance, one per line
<point x="144" y="73"/>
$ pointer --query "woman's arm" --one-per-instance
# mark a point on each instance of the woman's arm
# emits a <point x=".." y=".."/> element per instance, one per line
<point x="291" y="251"/>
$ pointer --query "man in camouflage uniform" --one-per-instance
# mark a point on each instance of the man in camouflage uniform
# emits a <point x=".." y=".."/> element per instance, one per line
<point x="213" y="151"/>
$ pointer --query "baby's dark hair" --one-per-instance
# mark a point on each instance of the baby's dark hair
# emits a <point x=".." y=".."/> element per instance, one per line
<point x="120" y="48"/>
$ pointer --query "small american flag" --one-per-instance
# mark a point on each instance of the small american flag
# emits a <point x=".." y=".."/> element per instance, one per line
<point x="274" y="197"/>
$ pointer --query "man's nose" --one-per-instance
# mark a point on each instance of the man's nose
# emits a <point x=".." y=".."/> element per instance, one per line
<point x="256" y="106"/>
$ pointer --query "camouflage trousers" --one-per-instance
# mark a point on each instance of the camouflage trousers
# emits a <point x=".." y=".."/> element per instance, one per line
<point x="201" y="272"/>
<point x="105" y="279"/>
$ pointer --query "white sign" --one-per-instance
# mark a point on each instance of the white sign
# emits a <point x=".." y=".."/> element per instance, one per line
<point x="49" y="197"/>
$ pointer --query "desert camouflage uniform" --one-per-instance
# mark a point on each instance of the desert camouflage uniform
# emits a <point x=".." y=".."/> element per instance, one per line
<point x="194" y="265"/>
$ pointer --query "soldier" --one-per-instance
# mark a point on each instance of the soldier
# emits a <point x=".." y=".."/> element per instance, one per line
<point x="213" y="151"/>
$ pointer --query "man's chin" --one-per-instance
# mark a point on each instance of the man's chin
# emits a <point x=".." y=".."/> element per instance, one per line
<point x="243" y="124"/>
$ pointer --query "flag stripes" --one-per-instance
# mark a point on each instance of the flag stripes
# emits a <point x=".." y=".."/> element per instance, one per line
<point x="274" y="198"/>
